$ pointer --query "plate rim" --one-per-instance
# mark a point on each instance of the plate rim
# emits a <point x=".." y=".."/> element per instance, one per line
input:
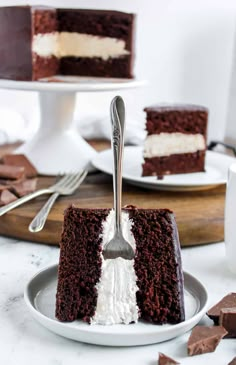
<point x="161" y="183"/>
<point x="41" y="318"/>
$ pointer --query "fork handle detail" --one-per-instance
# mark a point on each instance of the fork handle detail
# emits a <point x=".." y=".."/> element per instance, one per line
<point x="117" y="119"/>
<point x="39" y="220"/>
<point x="23" y="200"/>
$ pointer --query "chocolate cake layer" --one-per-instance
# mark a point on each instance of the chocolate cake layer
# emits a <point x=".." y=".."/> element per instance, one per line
<point x="157" y="264"/>
<point x="85" y="66"/>
<point x="189" y="119"/>
<point x="174" y="164"/>
<point x="160" y="280"/>
<point x="80" y="264"/>
<point x="45" y="20"/>
<point x="44" y="67"/>
<point x="102" y="23"/>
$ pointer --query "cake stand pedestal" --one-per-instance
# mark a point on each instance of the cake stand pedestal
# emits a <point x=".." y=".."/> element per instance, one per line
<point x="57" y="147"/>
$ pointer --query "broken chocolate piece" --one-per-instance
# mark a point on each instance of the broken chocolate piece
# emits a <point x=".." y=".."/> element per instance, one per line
<point x="205" y="339"/>
<point x="228" y="321"/>
<point x="166" y="360"/>
<point x="233" y="362"/>
<point x="6" y="197"/>
<point x="229" y="301"/>
<point x="24" y="187"/>
<point x="20" y="160"/>
<point x="11" y="172"/>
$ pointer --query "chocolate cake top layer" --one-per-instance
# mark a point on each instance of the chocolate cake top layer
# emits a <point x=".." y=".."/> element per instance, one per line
<point x="166" y="360"/>
<point x="104" y="23"/>
<point x="175" y="107"/>
<point x="44" y="20"/>
<point x="188" y="119"/>
<point x="229" y="301"/>
<point x="205" y="339"/>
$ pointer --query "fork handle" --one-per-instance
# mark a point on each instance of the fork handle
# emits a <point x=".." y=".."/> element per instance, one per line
<point x="23" y="200"/>
<point x="39" y="220"/>
<point x="117" y="121"/>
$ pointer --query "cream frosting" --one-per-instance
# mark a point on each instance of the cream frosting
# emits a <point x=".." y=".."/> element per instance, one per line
<point x="165" y="144"/>
<point x="116" y="301"/>
<point x="66" y="44"/>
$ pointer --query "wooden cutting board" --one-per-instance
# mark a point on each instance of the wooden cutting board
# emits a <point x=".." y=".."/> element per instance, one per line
<point x="199" y="214"/>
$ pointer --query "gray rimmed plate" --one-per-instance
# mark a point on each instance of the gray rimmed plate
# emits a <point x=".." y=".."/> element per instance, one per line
<point x="40" y="296"/>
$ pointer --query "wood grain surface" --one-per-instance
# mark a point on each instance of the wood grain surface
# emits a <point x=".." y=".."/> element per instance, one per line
<point x="199" y="214"/>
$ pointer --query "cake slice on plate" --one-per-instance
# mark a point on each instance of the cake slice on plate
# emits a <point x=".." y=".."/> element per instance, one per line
<point x="150" y="287"/>
<point x="176" y="139"/>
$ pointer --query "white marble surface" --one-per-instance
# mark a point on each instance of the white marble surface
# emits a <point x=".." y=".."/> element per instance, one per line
<point x="24" y="342"/>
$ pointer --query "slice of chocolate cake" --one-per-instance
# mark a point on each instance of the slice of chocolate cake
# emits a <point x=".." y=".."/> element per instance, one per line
<point x="38" y="42"/>
<point x="176" y="139"/>
<point x="150" y="287"/>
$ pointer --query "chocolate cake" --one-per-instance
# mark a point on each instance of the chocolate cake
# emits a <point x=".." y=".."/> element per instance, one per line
<point x="38" y="42"/>
<point x="176" y="139"/>
<point x="152" y="283"/>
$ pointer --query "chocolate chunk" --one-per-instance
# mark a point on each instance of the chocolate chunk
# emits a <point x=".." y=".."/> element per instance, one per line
<point x="24" y="187"/>
<point x="229" y="301"/>
<point x="228" y="321"/>
<point x="205" y="339"/>
<point x="166" y="360"/>
<point x="233" y="362"/>
<point x="3" y="187"/>
<point x="11" y="172"/>
<point x="22" y="161"/>
<point x="6" y="197"/>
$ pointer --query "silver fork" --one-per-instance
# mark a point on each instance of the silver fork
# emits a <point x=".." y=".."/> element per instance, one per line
<point x="118" y="246"/>
<point x="39" y="220"/>
<point x="65" y="186"/>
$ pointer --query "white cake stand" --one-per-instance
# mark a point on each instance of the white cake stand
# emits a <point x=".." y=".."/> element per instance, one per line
<point x="57" y="147"/>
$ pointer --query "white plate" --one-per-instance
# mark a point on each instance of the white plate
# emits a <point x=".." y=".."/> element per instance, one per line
<point x="73" y="83"/>
<point x="216" y="171"/>
<point x="40" y="298"/>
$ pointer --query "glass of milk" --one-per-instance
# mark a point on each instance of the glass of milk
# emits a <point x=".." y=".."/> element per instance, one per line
<point x="230" y="219"/>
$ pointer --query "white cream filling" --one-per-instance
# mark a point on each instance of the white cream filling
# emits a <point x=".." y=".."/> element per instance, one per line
<point x="165" y="144"/>
<point x="66" y="44"/>
<point x="116" y="301"/>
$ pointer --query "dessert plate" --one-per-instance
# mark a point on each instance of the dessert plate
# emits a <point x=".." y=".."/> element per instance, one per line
<point x="217" y="165"/>
<point x="40" y="296"/>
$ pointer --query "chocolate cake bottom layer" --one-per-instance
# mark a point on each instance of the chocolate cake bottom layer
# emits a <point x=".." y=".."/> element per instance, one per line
<point x="44" y="67"/>
<point x="174" y="164"/>
<point x="113" y="67"/>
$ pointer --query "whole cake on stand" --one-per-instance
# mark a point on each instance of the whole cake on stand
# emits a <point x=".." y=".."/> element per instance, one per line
<point x="65" y="50"/>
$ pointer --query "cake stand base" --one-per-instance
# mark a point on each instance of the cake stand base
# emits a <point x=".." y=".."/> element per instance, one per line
<point x="57" y="147"/>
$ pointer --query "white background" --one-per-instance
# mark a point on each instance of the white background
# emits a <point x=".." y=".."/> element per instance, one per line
<point x="184" y="49"/>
